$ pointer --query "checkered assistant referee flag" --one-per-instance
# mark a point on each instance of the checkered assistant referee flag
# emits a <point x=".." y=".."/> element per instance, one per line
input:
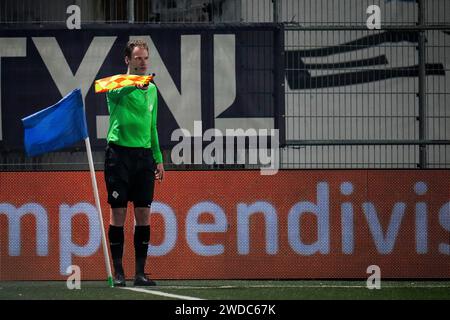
<point x="120" y="81"/>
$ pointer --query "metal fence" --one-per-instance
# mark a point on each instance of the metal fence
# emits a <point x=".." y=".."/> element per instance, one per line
<point x="367" y="98"/>
<point x="354" y="97"/>
<point x="130" y="11"/>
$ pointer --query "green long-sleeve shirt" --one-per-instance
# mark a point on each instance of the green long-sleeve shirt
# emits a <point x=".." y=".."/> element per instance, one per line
<point x="132" y="120"/>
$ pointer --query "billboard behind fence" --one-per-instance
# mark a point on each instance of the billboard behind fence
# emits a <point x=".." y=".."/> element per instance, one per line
<point x="226" y="77"/>
<point x="236" y="224"/>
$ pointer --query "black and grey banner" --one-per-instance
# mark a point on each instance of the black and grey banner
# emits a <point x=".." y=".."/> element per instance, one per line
<point x="226" y="77"/>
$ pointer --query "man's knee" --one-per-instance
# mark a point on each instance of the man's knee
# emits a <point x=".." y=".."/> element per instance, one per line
<point x="142" y="215"/>
<point x="118" y="216"/>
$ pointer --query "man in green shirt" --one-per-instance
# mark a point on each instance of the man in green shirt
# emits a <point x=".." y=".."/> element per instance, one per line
<point x="133" y="161"/>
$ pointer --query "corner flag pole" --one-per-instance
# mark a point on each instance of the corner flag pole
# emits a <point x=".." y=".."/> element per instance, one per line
<point x="99" y="210"/>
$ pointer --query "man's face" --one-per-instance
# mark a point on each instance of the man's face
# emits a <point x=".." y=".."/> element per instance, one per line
<point x="138" y="62"/>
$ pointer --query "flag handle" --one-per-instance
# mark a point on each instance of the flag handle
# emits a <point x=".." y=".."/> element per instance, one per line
<point x="99" y="210"/>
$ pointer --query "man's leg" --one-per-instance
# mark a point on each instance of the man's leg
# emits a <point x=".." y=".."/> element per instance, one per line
<point x="141" y="240"/>
<point x="116" y="179"/>
<point x="116" y="242"/>
<point x="141" y="194"/>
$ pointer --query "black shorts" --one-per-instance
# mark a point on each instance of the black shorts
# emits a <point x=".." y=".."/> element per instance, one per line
<point x="129" y="176"/>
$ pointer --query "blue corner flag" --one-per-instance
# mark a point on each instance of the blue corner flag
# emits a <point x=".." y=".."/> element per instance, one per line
<point x="56" y="127"/>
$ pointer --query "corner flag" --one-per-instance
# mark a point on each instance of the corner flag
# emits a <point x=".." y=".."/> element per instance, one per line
<point x="56" y="127"/>
<point x="60" y="126"/>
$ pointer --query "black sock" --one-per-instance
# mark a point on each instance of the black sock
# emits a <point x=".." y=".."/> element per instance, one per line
<point x="141" y="239"/>
<point x="116" y="241"/>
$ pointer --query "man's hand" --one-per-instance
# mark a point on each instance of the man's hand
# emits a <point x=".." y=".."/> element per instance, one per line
<point x="142" y="86"/>
<point x="159" y="172"/>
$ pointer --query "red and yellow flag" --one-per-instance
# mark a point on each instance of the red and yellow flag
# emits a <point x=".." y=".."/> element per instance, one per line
<point x="120" y="81"/>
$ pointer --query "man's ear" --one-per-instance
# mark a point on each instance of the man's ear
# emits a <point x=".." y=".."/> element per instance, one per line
<point x="127" y="61"/>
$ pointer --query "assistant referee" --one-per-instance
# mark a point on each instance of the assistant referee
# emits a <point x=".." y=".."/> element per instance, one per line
<point x="133" y="161"/>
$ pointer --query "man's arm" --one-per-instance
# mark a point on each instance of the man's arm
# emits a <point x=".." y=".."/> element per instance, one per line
<point x="157" y="155"/>
<point x="116" y="94"/>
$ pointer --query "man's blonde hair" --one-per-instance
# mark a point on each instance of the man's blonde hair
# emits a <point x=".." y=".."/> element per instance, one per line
<point x="132" y="44"/>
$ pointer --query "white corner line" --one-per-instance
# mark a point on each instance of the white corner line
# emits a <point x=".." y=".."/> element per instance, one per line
<point x="163" y="294"/>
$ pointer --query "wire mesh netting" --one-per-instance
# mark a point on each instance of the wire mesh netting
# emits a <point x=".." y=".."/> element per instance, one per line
<point x="353" y="97"/>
